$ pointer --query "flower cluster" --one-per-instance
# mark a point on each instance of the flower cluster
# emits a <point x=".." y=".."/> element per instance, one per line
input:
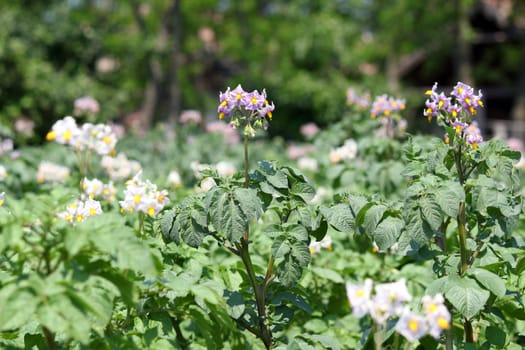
<point x="309" y="130"/>
<point x="190" y="116"/>
<point x="385" y="105"/>
<point x="143" y="196"/>
<point x="315" y="246"/>
<point x="231" y="136"/>
<point x="120" y="167"/>
<point x="96" y="137"/>
<point x="79" y="210"/>
<point x="51" y="172"/>
<point x="362" y="102"/>
<point x="96" y="188"/>
<point x="246" y="109"/>
<point x="390" y="301"/>
<point x="456" y="112"/>
<point x="347" y="151"/>
<point x="86" y="105"/>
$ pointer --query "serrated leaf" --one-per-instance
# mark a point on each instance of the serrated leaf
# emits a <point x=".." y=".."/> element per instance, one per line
<point x="387" y="232"/>
<point x="166" y="223"/>
<point x="289" y="271"/>
<point x="466" y="296"/>
<point x="431" y="212"/>
<point x="339" y="217"/>
<point x="280" y="246"/>
<point x="489" y="280"/>
<point x="278" y="180"/>
<point x="303" y="190"/>
<point x="372" y="217"/>
<point x="301" y="253"/>
<point x="249" y="203"/>
<point x="448" y="196"/>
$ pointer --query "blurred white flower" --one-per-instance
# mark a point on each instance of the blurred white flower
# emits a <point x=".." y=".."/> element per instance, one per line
<point x="411" y="326"/>
<point x="207" y="184"/>
<point x="359" y="297"/>
<point x="3" y="173"/>
<point x="307" y="163"/>
<point x="174" y="178"/>
<point x="79" y="210"/>
<point x="225" y="168"/>
<point x="51" y="172"/>
<point x="143" y="196"/>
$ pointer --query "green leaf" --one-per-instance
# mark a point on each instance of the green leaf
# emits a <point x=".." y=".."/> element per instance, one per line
<point x="489" y="280"/>
<point x="328" y="274"/>
<point x="327" y="341"/>
<point x="372" y="217"/>
<point x="511" y="306"/>
<point x="448" y="196"/>
<point x="496" y="336"/>
<point x="280" y="246"/>
<point x="18" y="306"/>
<point x="303" y="190"/>
<point x="289" y="271"/>
<point x="387" y="232"/>
<point x="431" y="212"/>
<point x="167" y="221"/>
<point x="301" y="253"/>
<point x="339" y="217"/>
<point x="249" y="203"/>
<point x="466" y="296"/>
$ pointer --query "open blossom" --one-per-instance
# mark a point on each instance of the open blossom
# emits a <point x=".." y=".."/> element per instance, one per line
<point x="143" y="196"/>
<point x="437" y="315"/>
<point x="250" y="110"/>
<point x="120" y="167"/>
<point x="51" y="172"/>
<point x="385" y="105"/>
<point x="99" y="138"/>
<point x="473" y="135"/>
<point x="79" y="210"/>
<point x="207" y="184"/>
<point x="307" y="163"/>
<point x="465" y="96"/>
<point x="359" y="297"/>
<point x="347" y="151"/>
<point x="225" y="168"/>
<point x="96" y="188"/>
<point x="315" y="246"/>
<point x="411" y="326"/>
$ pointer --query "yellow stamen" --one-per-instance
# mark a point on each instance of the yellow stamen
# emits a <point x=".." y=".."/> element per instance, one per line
<point x="329" y="247"/>
<point x="475" y="145"/>
<point x="432" y="308"/>
<point x="454" y="113"/>
<point x="221" y="115"/>
<point x="429" y="118"/>
<point x="441" y="103"/>
<point x="80" y="217"/>
<point x="151" y="212"/>
<point x="136" y="199"/>
<point x="67" y="135"/>
<point x="443" y="323"/>
<point x="413" y="325"/>
<point x="428" y="92"/>
<point x="1" y="202"/>
<point x="269" y="114"/>
<point x="458" y="129"/>
<point x="480" y="103"/>
<point x="107" y="140"/>
<point x="51" y="136"/>
<point x="92" y="211"/>
<point x="360" y="293"/>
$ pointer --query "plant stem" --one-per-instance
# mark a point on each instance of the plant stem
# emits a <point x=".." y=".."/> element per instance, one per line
<point x="141" y="223"/>
<point x="462" y="238"/>
<point x="50" y="338"/>
<point x="378" y="338"/>
<point x="246" y="176"/>
<point x="183" y="342"/>
<point x="259" y="290"/>
<point x="469" y="332"/>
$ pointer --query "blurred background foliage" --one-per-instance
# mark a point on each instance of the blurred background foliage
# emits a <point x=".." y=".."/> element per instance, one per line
<point x="146" y="61"/>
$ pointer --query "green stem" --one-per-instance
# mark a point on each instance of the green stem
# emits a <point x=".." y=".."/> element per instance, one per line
<point x="183" y="342"/>
<point x="469" y="332"/>
<point x="378" y="337"/>
<point x="50" y="338"/>
<point x="259" y="291"/>
<point x="246" y="176"/>
<point x="141" y="223"/>
<point x="462" y="238"/>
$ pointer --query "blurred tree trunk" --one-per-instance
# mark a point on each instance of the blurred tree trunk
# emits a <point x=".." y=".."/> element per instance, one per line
<point x="462" y="59"/>
<point x="174" y="107"/>
<point x="518" y="109"/>
<point x="150" y="104"/>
